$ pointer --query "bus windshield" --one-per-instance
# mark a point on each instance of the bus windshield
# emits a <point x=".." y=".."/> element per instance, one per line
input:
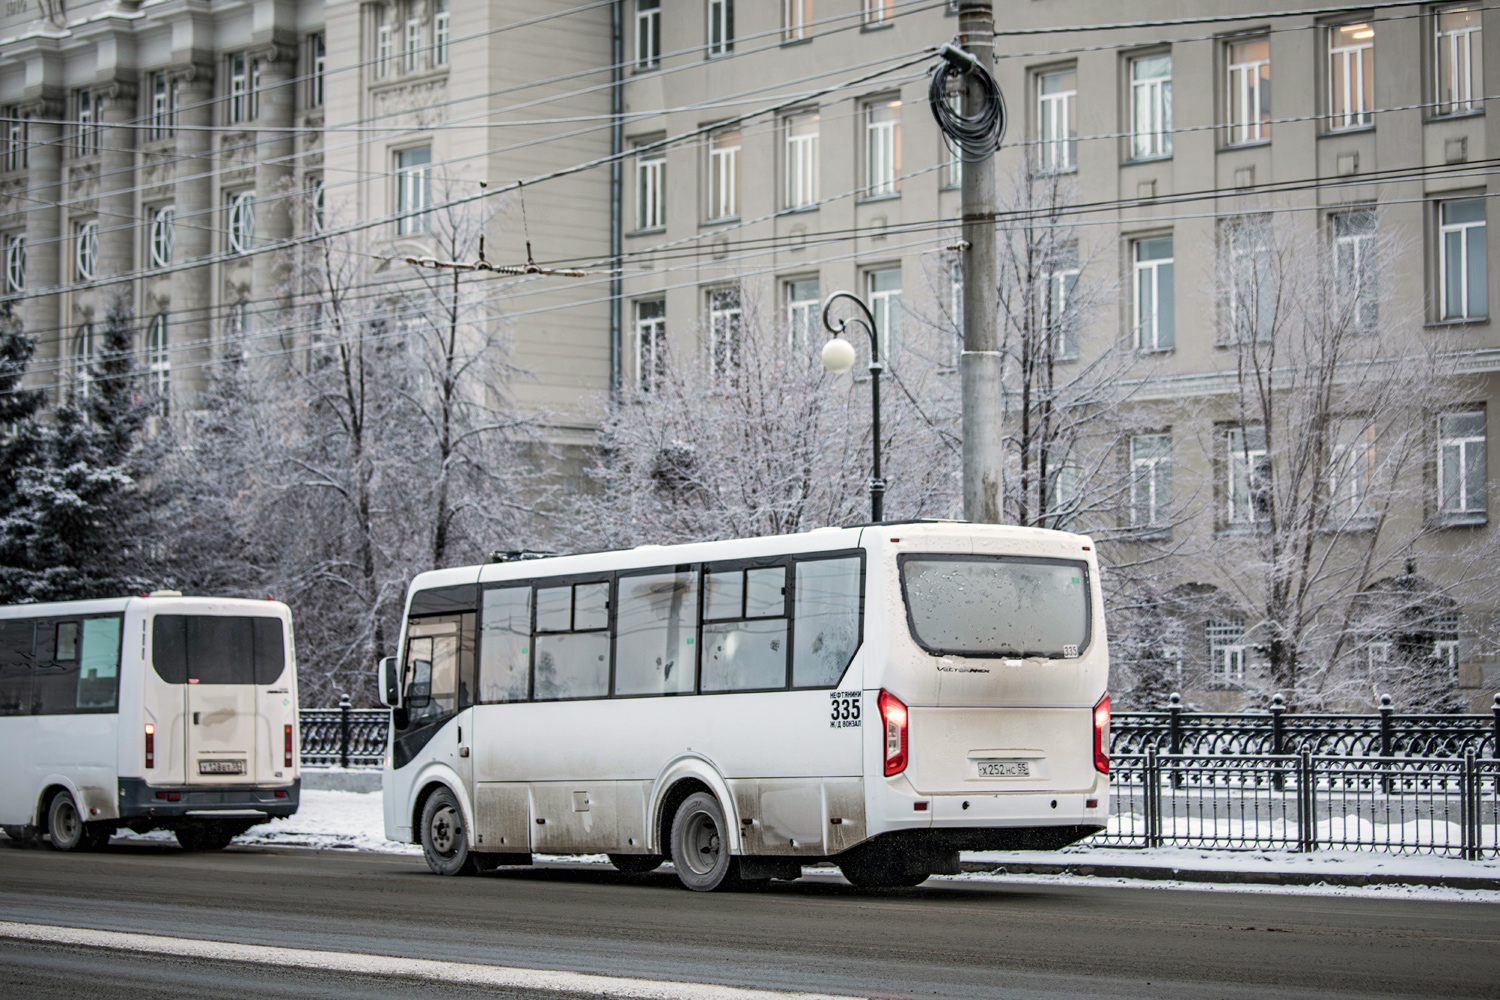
<point x="996" y="605"/>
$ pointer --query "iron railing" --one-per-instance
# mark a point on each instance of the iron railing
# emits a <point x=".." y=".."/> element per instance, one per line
<point x="345" y="735"/>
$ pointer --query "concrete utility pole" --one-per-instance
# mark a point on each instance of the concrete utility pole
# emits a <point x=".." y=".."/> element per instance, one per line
<point x="980" y="366"/>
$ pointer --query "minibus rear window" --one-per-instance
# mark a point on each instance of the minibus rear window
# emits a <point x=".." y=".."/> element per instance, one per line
<point x="218" y="649"/>
<point x="996" y="605"/>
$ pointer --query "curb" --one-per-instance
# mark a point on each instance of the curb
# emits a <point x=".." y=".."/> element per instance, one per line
<point x="1158" y="873"/>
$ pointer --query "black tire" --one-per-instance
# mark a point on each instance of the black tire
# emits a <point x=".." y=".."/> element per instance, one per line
<point x="66" y="826"/>
<point x="700" y="849"/>
<point x="884" y="870"/>
<point x="204" y="837"/>
<point x="636" y="864"/>
<point x="445" y="836"/>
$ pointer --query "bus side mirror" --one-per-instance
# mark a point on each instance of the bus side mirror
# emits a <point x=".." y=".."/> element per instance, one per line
<point x="390" y="683"/>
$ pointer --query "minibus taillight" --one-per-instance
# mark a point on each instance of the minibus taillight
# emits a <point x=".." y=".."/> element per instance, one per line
<point x="150" y="745"/>
<point x="893" y="715"/>
<point x="288" y="746"/>
<point x="1101" y="735"/>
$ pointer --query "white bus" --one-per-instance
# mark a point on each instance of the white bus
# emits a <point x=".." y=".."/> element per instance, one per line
<point x="151" y="712"/>
<point x="880" y="697"/>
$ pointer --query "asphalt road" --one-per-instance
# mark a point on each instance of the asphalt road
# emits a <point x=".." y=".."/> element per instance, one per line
<point x="943" y="939"/>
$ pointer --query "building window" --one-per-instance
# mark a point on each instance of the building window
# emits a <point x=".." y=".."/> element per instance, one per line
<point x="879" y="11"/>
<point x="1061" y="278"/>
<point x="1056" y="95"/>
<point x="1227" y="651"/>
<point x="801" y="160"/>
<point x="1250" y="90"/>
<point x="440" y="34"/>
<point x="317" y="83"/>
<point x="1252" y="291"/>
<point x="17" y="139"/>
<point x="85" y="110"/>
<point x="803" y="315"/>
<point x="1351" y="75"/>
<point x="385" y="44"/>
<point x="411" y="41"/>
<point x="1459" y="75"/>
<point x="1462" y="260"/>
<point x="796" y="19"/>
<point x="1150" y="479"/>
<point x="85" y="356"/>
<point x="159" y="362"/>
<point x="1352" y="472"/>
<point x="163" y="106"/>
<point x="647" y="34"/>
<point x="1461" y="465"/>
<point x="720" y="27"/>
<point x="241" y="222"/>
<point x="884" y="292"/>
<point x="651" y="188"/>
<point x="651" y="344"/>
<point x="724" y="330"/>
<point x="317" y="205"/>
<point x="163" y="226"/>
<point x="413" y="189"/>
<point x="1155" y="319"/>
<point x="244" y="88"/>
<point x="882" y="148"/>
<point x="1249" y="472"/>
<point x="1354" y="267"/>
<point x="724" y="174"/>
<point x="86" y="250"/>
<point x="15" y="263"/>
<point x="952" y="153"/>
<point x="1151" y="106"/>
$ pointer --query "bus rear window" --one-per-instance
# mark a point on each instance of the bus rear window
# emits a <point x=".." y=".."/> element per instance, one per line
<point x="996" y="605"/>
<point x="218" y="649"/>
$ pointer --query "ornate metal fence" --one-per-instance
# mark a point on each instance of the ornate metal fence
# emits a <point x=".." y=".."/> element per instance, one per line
<point x="345" y="735"/>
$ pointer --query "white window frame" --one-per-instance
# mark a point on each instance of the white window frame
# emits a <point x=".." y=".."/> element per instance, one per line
<point x="725" y="328"/>
<point x="441" y="34"/>
<point x="411" y="42"/>
<point x="1150" y="109"/>
<point x="17" y="139"/>
<point x="241" y="88"/>
<point x="1445" y="264"/>
<point x="796" y="16"/>
<point x="318" y="85"/>
<point x="651" y="344"/>
<point x="85" y="353"/>
<point x="1352" y="472"/>
<point x="413" y="192"/>
<point x="801" y="159"/>
<point x="86" y="250"/>
<point x="1350" y="68"/>
<point x="1229" y="654"/>
<point x="885" y="306"/>
<point x="878" y="11"/>
<point x="1247" y="470"/>
<point x="1057" y="132"/>
<point x="720" y="27"/>
<point x="240" y="231"/>
<point x="647" y="34"/>
<point x="1462" y="90"/>
<point x="651" y="187"/>
<point x="1469" y="451"/>
<point x="882" y="148"/>
<point x="1061" y="281"/>
<point x="1250" y="259"/>
<point x="385" y="45"/>
<point x="804" y="316"/>
<point x="1244" y="94"/>
<point x="724" y="174"/>
<point x="163" y="105"/>
<point x="1150" y="479"/>
<point x="1354" y="260"/>
<point x="162" y="236"/>
<point x="159" y="361"/>
<point x="317" y="204"/>
<point x="15" y="263"/>
<point x="1148" y="330"/>
<point x="88" y="133"/>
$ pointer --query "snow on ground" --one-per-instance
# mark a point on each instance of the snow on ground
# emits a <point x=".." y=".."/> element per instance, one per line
<point x="339" y="820"/>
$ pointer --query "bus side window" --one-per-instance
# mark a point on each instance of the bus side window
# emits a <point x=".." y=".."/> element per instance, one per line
<point x="826" y="620"/>
<point x="270" y="649"/>
<point x="655" y="628"/>
<point x="572" y="641"/>
<point x="747" y="652"/>
<point x="419" y="670"/>
<point x="99" y="664"/>
<point x="15" y="666"/>
<point x="505" y="645"/>
<point x="54" y="684"/>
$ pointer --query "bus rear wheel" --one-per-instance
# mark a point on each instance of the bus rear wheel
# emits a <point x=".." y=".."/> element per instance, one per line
<point x="66" y="826"/>
<point x="445" y="839"/>
<point x="700" y="848"/>
<point x="878" y="869"/>
<point x="636" y="864"/>
<point x="205" y="836"/>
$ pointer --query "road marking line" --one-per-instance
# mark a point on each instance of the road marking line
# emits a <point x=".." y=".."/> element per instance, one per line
<point x="506" y="977"/>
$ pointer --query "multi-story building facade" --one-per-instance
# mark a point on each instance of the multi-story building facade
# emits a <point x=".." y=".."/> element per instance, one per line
<point x="156" y="143"/>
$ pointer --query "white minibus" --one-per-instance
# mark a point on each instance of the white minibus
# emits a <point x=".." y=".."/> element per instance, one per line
<point x="880" y="697"/>
<point x="151" y="712"/>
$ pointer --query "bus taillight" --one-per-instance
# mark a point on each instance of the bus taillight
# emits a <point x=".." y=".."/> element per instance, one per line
<point x="1101" y="735"/>
<point x="150" y="745"/>
<point x="288" y="746"/>
<point x="893" y="715"/>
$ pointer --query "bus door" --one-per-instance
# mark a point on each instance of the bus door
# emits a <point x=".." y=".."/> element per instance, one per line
<point x="438" y="672"/>
<point x="215" y="657"/>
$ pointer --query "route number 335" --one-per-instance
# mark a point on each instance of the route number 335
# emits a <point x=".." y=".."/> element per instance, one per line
<point x="844" y="709"/>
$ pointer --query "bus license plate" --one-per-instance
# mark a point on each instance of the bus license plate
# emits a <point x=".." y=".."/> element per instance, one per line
<point x="1004" y="769"/>
<point x="221" y="767"/>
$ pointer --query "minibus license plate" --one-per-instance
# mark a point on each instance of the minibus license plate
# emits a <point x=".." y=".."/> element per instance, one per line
<point x="221" y="767"/>
<point x="1004" y="769"/>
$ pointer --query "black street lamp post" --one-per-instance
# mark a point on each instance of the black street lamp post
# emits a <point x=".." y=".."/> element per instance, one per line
<point x="838" y="356"/>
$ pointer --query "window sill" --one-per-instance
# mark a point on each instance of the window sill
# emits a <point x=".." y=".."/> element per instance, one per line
<point x="404" y="79"/>
<point x="1057" y="171"/>
<point x="877" y="26"/>
<point x="1252" y="144"/>
<point x="800" y="210"/>
<point x="1475" y="520"/>
<point x="950" y="187"/>
<point x="1351" y="130"/>
<point x="1448" y="324"/>
<point x="1154" y="351"/>
<point x="1242" y="530"/>
<point x="1136" y="160"/>
<point x="643" y="70"/>
<point x="787" y="43"/>
<point x="872" y="199"/>
<point x="1146" y="534"/>
<point x="1456" y="116"/>
<point x="647" y="232"/>
<point x="726" y="220"/>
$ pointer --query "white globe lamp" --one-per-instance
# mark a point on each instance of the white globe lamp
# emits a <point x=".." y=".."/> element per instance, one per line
<point x="838" y="355"/>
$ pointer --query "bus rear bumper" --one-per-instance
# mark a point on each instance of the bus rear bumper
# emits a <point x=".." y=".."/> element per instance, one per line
<point x="257" y="804"/>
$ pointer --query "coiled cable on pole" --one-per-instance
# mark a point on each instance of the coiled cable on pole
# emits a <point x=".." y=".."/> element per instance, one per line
<point x="973" y="137"/>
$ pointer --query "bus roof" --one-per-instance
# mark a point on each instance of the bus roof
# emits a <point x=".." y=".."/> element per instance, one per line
<point x="106" y="605"/>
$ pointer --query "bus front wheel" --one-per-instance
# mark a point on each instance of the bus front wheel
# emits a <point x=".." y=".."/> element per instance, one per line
<point x="67" y="828"/>
<point x="700" y="849"/>
<point x="445" y="839"/>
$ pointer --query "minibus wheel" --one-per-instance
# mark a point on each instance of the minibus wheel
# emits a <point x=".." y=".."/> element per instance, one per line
<point x="67" y="828"/>
<point x="204" y="836"/>
<point x="700" y="848"/>
<point x="445" y="839"/>
<point x="880" y="869"/>
<point x="636" y="864"/>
